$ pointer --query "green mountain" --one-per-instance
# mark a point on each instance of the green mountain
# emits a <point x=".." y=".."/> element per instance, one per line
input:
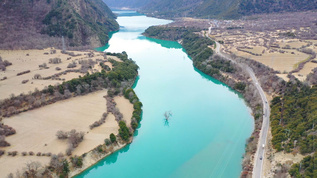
<point x="81" y="22"/>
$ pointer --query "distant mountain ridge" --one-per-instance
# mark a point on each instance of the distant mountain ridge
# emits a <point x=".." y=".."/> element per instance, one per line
<point x="34" y="23"/>
<point x="132" y="4"/>
<point x="269" y="6"/>
<point x="192" y="8"/>
<point x="214" y="8"/>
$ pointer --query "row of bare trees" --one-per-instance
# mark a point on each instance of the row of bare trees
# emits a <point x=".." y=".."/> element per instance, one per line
<point x="100" y="121"/>
<point x="111" y="108"/>
<point x="312" y="55"/>
<point x="5" y="130"/>
<point x="51" y="94"/>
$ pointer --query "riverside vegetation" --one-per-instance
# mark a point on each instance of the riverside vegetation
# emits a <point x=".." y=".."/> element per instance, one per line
<point x="117" y="81"/>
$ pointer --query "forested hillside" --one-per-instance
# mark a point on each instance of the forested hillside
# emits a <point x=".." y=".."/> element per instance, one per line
<point x="192" y="8"/>
<point x="34" y="24"/>
<point x="214" y="8"/>
<point x="293" y="118"/>
<point x="293" y="121"/>
<point x="268" y="6"/>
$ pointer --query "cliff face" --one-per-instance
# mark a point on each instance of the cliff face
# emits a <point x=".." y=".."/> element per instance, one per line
<point x="34" y="23"/>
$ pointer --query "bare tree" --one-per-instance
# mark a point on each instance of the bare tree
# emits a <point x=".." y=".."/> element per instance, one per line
<point x="167" y="115"/>
<point x="3" y="143"/>
<point x="10" y="175"/>
<point x="32" y="168"/>
<point x="62" y="134"/>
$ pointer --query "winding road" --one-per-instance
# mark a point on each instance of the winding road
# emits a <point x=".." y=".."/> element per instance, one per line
<point x="259" y="155"/>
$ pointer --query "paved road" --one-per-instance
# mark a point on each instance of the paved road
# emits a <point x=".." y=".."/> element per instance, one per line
<point x="259" y="155"/>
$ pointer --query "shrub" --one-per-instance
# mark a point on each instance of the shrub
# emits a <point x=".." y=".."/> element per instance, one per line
<point x="113" y="138"/>
<point x="62" y="134"/>
<point x="2" y="152"/>
<point x="14" y="153"/>
<point x="77" y="161"/>
<point x="37" y="76"/>
<point x="38" y="154"/>
<point x="55" y="60"/>
<point x="99" y="149"/>
<point x="3" y="143"/>
<point x="31" y="153"/>
<point x="24" y="81"/>
<point x="69" y="150"/>
<point x="101" y="121"/>
<point x="118" y="115"/>
<point x="53" y="51"/>
<point x="72" y="65"/>
<point x="24" y="153"/>
<point x="4" y="78"/>
<point x="134" y="124"/>
<point x="4" y="64"/>
<point x="44" y="65"/>
<point x="75" y="138"/>
<point x="2" y="67"/>
<point x="124" y="131"/>
<point x="107" y="141"/>
<point x="24" y="72"/>
<point x="240" y="86"/>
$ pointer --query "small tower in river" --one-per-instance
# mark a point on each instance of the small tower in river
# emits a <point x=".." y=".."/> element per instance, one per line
<point x="64" y="46"/>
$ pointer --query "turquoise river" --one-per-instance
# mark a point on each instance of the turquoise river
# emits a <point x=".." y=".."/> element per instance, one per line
<point x="210" y="122"/>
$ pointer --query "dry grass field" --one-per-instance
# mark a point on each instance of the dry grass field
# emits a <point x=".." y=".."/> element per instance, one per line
<point x="301" y="75"/>
<point x="36" y="129"/>
<point x="283" y="62"/>
<point x="23" y="60"/>
<point x="281" y="54"/>
<point x="294" y="44"/>
<point x="272" y="39"/>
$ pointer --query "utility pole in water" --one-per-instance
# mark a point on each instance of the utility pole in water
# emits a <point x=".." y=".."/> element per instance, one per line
<point x="64" y="46"/>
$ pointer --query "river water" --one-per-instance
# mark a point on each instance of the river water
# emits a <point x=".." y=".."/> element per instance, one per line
<point x="210" y="123"/>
